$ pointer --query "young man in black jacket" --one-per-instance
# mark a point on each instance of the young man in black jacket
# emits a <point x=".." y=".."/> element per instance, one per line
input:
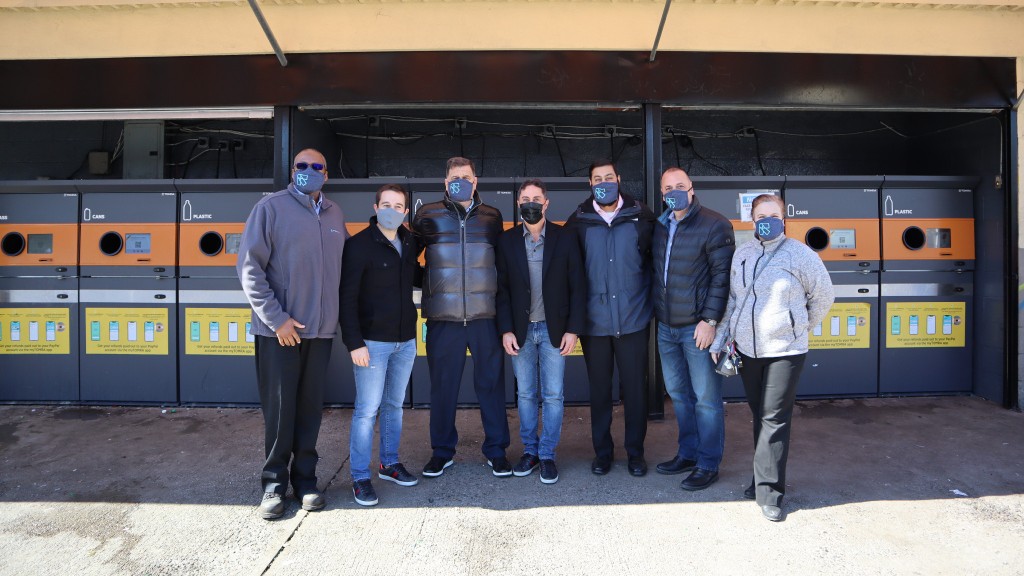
<point x="614" y="232"/>
<point x="693" y="249"/>
<point x="459" y="234"/>
<point x="378" y="325"/>
<point x="541" y="303"/>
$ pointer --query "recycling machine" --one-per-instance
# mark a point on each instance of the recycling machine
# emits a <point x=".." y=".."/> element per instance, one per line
<point x="128" y="291"/>
<point x="39" y="347"/>
<point x="927" y="284"/>
<point x="215" y="348"/>
<point x="837" y="217"/>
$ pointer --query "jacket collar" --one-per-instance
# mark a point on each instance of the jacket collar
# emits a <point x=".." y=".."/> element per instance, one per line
<point x="306" y="200"/>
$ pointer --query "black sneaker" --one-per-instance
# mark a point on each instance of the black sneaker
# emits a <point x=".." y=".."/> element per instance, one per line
<point x="548" y="472"/>
<point x="398" y="474"/>
<point x="435" y="467"/>
<point x="500" y="467"/>
<point x="272" y="506"/>
<point x="363" y="492"/>
<point x="527" y="464"/>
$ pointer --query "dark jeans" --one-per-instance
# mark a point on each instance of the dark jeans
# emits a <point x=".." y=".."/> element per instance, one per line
<point x="770" y="384"/>
<point x="446" y="359"/>
<point x="601" y="354"/>
<point x="291" y="382"/>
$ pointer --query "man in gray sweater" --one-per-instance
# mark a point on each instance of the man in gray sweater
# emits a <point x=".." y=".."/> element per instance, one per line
<point x="289" y="263"/>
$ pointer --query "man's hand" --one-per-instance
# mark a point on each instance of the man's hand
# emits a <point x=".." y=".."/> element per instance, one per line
<point x="286" y="334"/>
<point x="704" y="335"/>
<point x="361" y="357"/>
<point x="568" y="344"/>
<point x="508" y="340"/>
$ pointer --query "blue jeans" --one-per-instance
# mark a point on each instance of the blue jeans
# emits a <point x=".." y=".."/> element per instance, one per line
<point x="380" y="385"/>
<point x="696" y="391"/>
<point x="539" y="365"/>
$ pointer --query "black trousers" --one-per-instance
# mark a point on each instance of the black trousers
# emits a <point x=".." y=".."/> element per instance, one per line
<point x="446" y="360"/>
<point x="291" y="382"/>
<point x="601" y="354"/>
<point x="770" y="384"/>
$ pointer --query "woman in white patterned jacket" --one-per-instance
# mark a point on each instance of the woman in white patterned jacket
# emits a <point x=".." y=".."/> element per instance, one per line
<point x="779" y="289"/>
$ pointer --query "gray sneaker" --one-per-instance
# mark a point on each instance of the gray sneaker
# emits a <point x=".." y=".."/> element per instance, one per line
<point x="548" y="472"/>
<point x="272" y="506"/>
<point x="312" y="501"/>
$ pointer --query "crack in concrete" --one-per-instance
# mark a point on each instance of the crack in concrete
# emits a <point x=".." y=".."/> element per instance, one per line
<point x="305" y="514"/>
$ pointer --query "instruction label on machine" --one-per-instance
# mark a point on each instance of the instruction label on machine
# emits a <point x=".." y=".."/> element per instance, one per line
<point x="925" y="325"/>
<point x="136" y="331"/>
<point x="846" y="326"/>
<point x="35" y="331"/>
<point x="218" y="332"/>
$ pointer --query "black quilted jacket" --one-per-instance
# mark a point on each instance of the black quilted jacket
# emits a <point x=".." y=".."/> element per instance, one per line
<point x="460" y="281"/>
<point x="698" y="269"/>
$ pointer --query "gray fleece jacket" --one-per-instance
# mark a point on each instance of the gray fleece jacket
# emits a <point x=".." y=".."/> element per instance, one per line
<point x="793" y="293"/>
<point x="289" y="263"/>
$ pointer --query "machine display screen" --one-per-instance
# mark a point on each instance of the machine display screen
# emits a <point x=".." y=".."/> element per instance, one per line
<point x="843" y="238"/>
<point x="136" y="244"/>
<point x="231" y="243"/>
<point x="938" y="238"/>
<point x="40" y="243"/>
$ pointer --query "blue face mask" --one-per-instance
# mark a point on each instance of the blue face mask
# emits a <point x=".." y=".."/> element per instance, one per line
<point x="389" y="218"/>
<point x="677" y="200"/>
<point x="768" y="229"/>
<point x="606" y="193"/>
<point x="308" y="181"/>
<point x="460" y="190"/>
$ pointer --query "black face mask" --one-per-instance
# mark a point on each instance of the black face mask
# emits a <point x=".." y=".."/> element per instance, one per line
<point x="531" y="212"/>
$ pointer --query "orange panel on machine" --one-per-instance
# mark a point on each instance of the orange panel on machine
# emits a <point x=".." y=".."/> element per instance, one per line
<point x="928" y="238"/>
<point x="162" y="245"/>
<point x="866" y="229"/>
<point x="190" y="253"/>
<point x="64" y="250"/>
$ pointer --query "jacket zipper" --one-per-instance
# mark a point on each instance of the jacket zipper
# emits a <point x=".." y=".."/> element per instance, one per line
<point x="462" y="243"/>
<point x="320" y="226"/>
<point x="753" y="292"/>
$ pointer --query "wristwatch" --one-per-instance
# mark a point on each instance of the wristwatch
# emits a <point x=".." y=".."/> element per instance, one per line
<point x="710" y="322"/>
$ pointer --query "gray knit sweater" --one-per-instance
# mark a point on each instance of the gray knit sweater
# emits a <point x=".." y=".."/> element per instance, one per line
<point x="792" y="294"/>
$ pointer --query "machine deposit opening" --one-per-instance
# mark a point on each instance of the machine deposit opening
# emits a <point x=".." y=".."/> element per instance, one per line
<point x="13" y="243"/>
<point x="211" y="243"/>
<point x="111" y="243"/>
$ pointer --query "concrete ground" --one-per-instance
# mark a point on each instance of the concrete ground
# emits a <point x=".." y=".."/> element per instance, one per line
<point x="881" y="486"/>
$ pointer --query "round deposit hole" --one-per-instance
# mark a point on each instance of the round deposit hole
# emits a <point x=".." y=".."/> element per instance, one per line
<point x="211" y="243"/>
<point x="12" y="244"/>
<point x="913" y="238"/>
<point x="111" y="243"/>
<point x="817" y="239"/>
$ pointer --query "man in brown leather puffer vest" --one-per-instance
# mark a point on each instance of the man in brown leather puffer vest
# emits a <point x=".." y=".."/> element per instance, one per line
<point x="460" y="282"/>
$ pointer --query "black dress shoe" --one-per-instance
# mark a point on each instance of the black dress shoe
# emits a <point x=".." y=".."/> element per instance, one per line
<point x="677" y="465"/>
<point x="699" y="479"/>
<point x="601" y="466"/>
<point x="773" y="513"/>
<point x="750" y="493"/>
<point x="637" y="466"/>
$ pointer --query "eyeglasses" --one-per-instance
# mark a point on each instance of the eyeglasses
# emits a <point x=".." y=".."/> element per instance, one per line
<point x="303" y="165"/>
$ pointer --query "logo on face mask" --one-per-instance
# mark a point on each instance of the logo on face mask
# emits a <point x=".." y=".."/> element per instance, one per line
<point x="600" y="192"/>
<point x="460" y="190"/>
<point x="301" y="179"/>
<point x="768" y="229"/>
<point x="606" y="194"/>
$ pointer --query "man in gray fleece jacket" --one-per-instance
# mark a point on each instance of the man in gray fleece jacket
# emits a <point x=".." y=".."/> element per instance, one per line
<point x="289" y="263"/>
